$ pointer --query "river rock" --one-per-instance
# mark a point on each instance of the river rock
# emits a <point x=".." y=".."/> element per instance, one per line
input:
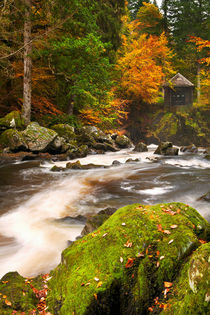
<point x="116" y="163"/>
<point x="166" y="148"/>
<point x="56" y="168"/>
<point x="123" y="141"/>
<point x="117" y="267"/>
<point x="207" y="157"/>
<point x="78" y="166"/>
<point x="11" y="121"/>
<point x="140" y="147"/>
<point x="93" y="222"/>
<point x="65" y="131"/>
<point x="190" y="148"/>
<point x="13" y="139"/>
<point x="104" y="146"/>
<point x="39" y="138"/>
<point x="132" y="160"/>
<point x="205" y="197"/>
<point x="77" y="151"/>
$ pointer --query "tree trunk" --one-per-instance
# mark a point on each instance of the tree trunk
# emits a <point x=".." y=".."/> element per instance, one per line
<point x="198" y="84"/>
<point x="70" y="106"/>
<point x="26" y="110"/>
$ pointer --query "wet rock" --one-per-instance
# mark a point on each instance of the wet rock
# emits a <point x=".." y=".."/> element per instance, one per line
<point x="57" y="169"/>
<point x="132" y="160"/>
<point x="97" y="220"/>
<point x="153" y="159"/>
<point x="13" y="139"/>
<point x="104" y="147"/>
<point x="166" y="148"/>
<point x="38" y="138"/>
<point x="75" y="151"/>
<point x="78" y="166"/>
<point x="207" y="157"/>
<point x="116" y="163"/>
<point x="140" y="147"/>
<point x="190" y="148"/>
<point x="78" y="220"/>
<point x="11" y="121"/>
<point x="205" y="197"/>
<point x="123" y="141"/>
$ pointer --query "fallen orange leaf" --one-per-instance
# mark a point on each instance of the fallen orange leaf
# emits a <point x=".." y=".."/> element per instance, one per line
<point x="128" y="244"/>
<point x="167" y="232"/>
<point x="168" y="284"/>
<point x="129" y="263"/>
<point x="202" y="241"/>
<point x="8" y="302"/>
<point x="99" y="284"/>
<point x="173" y="226"/>
<point x="150" y="309"/>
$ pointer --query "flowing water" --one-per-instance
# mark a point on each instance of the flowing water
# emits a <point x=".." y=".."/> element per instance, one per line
<point x="33" y="200"/>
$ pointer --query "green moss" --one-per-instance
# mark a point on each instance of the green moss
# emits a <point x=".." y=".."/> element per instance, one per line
<point x="191" y="293"/>
<point x="13" y="139"/>
<point x="6" y="122"/>
<point x="74" y="286"/>
<point x="65" y="131"/>
<point x="17" y="292"/>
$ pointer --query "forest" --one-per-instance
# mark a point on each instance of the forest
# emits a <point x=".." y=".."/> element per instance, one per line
<point x="104" y="157"/>
<point x="91" y="62"/>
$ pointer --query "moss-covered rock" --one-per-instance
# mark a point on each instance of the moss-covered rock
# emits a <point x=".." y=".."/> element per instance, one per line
<point x="76" y="151"/>
<point x="17" y="295"/>
<point x="122" y="266"/>
<point x="13" y="139"/>
<point x="140" y="147"/>
<point x="166" y="148"/>
<point x="191" y="293"/>
<point x="11" y="120"/>
<point x="38" y="138"/>
<point x="65" y="131"/>
<point x="123" y="141"/>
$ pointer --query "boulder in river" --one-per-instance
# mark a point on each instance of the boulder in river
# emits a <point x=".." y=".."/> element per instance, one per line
<point x="140" y="147"/>
<point x="190" y="148"/>
<point x="39" y="138"/>
<point x="123" y="142"/>
<point x="166" y="148"/>
<point x="77" y="151"/>
<point x="13" y="139"/>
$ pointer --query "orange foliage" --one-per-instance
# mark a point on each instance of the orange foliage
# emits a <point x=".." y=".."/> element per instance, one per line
<point x="202" y="44"/>
<point x="143" y="65"/>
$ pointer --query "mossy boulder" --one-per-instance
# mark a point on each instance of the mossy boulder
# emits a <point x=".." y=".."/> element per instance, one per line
<point x="11" y="120"/>
<point x="122" y="266"/>
<point x="191" y="293"/>
<point x="65" y="131"/>
<point x="190" y="148"/>
<point x="38" y="138"/>
<point x="123" y="142"/>
<point x="140" y="147"/>
<point x="17" y="295"/>
<point x="13" y="139"/>
<point x="166" y="148"/>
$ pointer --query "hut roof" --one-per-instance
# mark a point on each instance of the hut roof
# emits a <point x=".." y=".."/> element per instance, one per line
<point x="180" y="81"/>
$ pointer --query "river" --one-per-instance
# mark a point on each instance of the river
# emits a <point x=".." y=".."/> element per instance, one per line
<point x="33" y="199"/>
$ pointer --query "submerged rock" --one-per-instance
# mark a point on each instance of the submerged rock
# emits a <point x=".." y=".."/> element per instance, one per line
<point x="38" y="138"/>
<point x="140" y="147"/>
<point x="124" y="264"/>
<point x="166" y="148"/>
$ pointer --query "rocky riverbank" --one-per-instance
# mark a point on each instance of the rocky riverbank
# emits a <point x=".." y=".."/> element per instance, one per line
<point x="142" y="259"/>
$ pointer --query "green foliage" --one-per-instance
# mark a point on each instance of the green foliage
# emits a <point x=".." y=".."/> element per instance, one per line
<point x="133" y="7"/>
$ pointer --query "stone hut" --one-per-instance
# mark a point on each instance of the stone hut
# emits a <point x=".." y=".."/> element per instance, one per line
<point x="178" y="92"/>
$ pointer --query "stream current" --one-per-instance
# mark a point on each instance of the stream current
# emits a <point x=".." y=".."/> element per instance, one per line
<point x="33" y="200"/>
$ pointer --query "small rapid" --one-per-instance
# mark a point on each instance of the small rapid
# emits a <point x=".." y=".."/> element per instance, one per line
<point x="34" y="200"/>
